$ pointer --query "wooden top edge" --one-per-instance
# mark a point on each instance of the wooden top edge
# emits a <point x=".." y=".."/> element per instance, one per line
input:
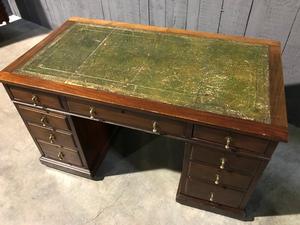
<point x="277" y="90"/>
<point x="250" y="40"/>
<point x="267" y="131"/>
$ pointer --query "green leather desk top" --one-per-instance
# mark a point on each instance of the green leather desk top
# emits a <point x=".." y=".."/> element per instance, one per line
<point x="225" y="77"/>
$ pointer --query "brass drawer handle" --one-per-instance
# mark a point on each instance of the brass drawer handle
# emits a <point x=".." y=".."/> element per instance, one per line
<point x="155" y="127"/>
<point x="92" y="112"/>
<point x="60" y="156"/>
<point x="44" y="121"/>
<point x="222" y="165"/>
<point x="227" y="145"/>
<point x="35" y="100"/>
<point x="211" y="197"/>
<point x="217" y="180"/>
<point x="51" y="138"/>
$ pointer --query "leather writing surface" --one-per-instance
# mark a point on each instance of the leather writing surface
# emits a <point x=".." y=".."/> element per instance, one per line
<point x="219" y="76"/>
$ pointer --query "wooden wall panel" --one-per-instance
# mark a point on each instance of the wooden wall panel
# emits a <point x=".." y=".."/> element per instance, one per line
<point x="106" y="9"/>
<point x="88" y="8"/>
<point x="193" y="12"/>
<point x="132" y="11"/>
<point x="144" y="12"/>
<point x="7" y="7"/>
<point x="291" y="55"/>
<point x="235" y="16"/>
<point x="116" y="10"/>
<point x="54" y="15"/>
<point x="176" y="13"/>
<point x="272" y="19"/>
<point x="209" y="15"/>
<point x="14" y="8"/>
<point x="125" y="10"/>
<point x="43" y="12"/>
<point x="157" y="12"/>
<point x="204" y="15"/>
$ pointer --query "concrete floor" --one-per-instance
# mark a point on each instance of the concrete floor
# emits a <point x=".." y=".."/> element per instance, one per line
<point x="140" y="183"/>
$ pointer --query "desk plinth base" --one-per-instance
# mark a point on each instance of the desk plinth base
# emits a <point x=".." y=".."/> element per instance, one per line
<point x="66" y="167"/>
<point x="212" y="207"/>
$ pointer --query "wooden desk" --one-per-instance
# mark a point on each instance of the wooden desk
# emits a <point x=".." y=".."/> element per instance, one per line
<point x="222" y="95"/>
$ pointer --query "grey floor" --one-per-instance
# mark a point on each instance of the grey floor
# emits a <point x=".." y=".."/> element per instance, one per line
<point x="141" y="173"/>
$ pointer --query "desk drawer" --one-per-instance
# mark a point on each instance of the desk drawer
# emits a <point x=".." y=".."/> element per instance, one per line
<point x="43" y="118"/>
<point x="158" y="125"/>
<point x="59" y="153"/>
<point x="218" y="176"/>
<point x="213" y="193"/>
<point x="61" y="138"/>
<point x="226" y="160"/>
<point x="35" y="97"/>
<point x="235" y="140"/>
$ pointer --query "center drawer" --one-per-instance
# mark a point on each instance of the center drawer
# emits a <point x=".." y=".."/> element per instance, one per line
<point x="43" y="118"/>
<point x="54" y="137"/>
<point x="210" y="155"/>
<point x="156" y="125"/>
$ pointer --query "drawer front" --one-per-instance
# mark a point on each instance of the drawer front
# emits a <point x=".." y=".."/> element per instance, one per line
<point x="218" y="176"/>
<point x="36" y="97"/>
<point x="61" y="154"/>
<point x="226" y="160"/>
<point x="42" y="118"/>
<point x="64" y="139"/>
<point x="149" y="123"/>
<point x="235" y="140"/>
<point x="213" y="193"/>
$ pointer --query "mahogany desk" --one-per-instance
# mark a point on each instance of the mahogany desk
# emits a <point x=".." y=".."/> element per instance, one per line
<point x="222" y="95"/>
